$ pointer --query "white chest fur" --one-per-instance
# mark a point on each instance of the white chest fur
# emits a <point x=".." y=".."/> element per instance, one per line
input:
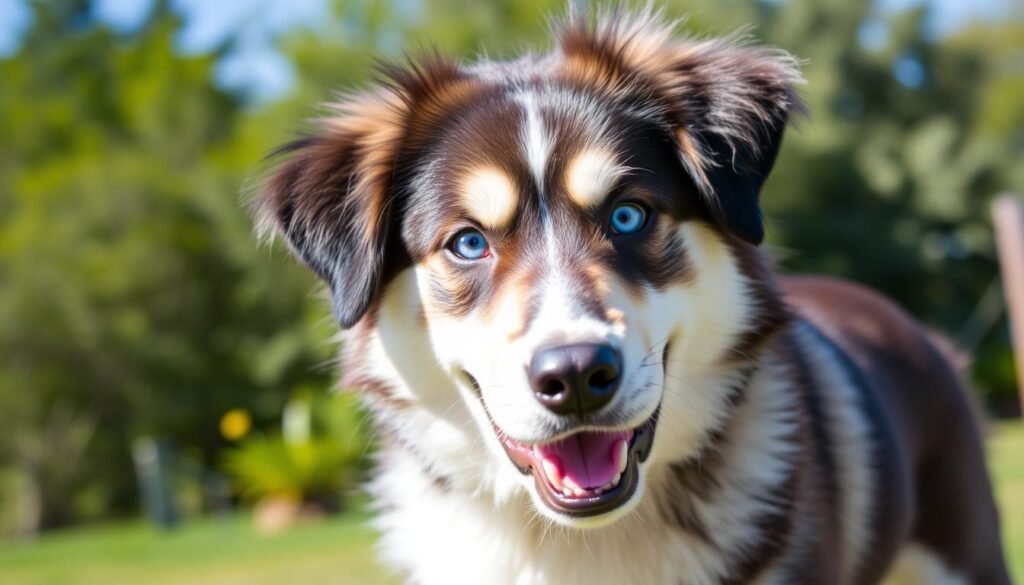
<point x="432" y="535"/>
<point x="457" y="538"/>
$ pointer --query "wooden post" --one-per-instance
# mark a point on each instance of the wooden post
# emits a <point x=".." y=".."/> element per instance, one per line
<point x="1008" y="219"/>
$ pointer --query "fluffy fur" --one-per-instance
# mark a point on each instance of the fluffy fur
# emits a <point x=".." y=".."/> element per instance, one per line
<point x="789" y="440"/>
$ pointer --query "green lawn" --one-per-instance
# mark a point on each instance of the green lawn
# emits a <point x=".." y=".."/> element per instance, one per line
<point x="206" y="552"/>
<point x="337" y="551"/>
<point x="1006" y="454"/>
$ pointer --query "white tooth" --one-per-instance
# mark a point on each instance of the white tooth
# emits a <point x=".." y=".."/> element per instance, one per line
<point x="566" y="492"/>
<point x="599" y="490"/>
<point x="570" y="483"/>
<point x="615" y="480"/>
<point x="551" y="471"/>
<point x="578" y="492"/>
<point x="623" y="456"/>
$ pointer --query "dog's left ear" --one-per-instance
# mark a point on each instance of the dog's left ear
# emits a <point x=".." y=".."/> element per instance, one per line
<point x="727" y="102"/>
<point x="731" y="104"/>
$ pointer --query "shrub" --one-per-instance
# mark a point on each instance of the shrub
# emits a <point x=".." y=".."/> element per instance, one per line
<point x="315" y="459"/>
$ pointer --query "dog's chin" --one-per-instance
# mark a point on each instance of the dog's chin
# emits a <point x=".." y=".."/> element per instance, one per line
<point x="587" y="478"/>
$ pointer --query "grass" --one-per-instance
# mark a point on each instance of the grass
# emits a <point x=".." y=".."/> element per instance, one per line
<point x="204" y="552"/>
<point x="337" y="551"/>
<point x="1006" y="456"/>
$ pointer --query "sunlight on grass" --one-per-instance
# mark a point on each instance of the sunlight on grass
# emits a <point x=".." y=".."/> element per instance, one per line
<point x="203" y="552"/>
<point x="336" y="551"/>
<point x="1006" y="455"/>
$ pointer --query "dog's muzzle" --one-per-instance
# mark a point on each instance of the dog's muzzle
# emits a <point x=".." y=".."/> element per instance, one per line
<point x="591" y="471"/>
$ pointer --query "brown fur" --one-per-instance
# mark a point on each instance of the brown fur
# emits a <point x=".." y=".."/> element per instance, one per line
<point x="935" y="474"/>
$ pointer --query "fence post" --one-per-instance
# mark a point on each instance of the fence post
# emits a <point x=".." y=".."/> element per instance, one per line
<point x="153" y="466"/>
<point x="1008" y="219"/>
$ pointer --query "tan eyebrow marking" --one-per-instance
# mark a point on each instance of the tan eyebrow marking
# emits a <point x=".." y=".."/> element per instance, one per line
<point x="591" y="175"/>
<point x="489" y="195"/>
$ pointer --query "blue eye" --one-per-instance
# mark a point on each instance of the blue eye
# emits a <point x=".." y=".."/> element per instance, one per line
<point x="470" y="245"/>
<point x="628" y="218"/>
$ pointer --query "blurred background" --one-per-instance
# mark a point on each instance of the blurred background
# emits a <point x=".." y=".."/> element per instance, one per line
<point x="165" y="404"/>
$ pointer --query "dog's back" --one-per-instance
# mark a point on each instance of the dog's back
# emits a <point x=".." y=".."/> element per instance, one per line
<point x="938" y="501"/>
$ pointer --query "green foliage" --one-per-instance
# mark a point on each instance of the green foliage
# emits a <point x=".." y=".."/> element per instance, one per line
<point x="137" y="301"/>
<point x="318" y="464"/>
<point x="271" y="466"/>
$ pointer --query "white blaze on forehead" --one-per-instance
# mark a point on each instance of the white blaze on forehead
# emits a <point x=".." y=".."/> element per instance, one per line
<point x="537" y="144"/>
<point x="535" y="139"/>
<point x="591" y="175"/>
<point x="489" y="195"/>
<point x="561" y="317"/>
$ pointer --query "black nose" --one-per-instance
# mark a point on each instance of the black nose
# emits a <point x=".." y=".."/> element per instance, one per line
<point x="578" y="378"/>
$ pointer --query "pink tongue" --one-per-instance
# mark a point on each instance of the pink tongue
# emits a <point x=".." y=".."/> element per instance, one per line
<point x="589" y="459"/>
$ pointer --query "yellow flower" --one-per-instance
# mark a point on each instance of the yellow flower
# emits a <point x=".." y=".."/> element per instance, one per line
<point x="235" y="424"/>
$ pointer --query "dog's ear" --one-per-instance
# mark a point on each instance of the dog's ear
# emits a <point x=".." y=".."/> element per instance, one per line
<point x="726" y="102"/>
<point x="333" y="198"/>
<point x="731" y="104"/>
<point x="332" y="212"/>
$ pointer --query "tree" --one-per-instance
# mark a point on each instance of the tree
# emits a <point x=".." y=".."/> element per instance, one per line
<point x="136" y="299"/>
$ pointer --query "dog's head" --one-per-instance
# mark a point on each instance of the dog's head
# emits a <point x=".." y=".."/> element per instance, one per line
<point x="539" y="259"/>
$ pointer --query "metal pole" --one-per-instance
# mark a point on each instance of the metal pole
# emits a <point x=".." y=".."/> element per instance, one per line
<point x="1008" y="219"/>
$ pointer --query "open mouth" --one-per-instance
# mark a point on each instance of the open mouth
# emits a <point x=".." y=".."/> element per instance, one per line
<point x="586" y="473"/>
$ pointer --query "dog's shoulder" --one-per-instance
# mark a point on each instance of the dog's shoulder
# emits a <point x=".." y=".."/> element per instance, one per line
<point x="900" y="358"/>
<point x="869" y="327"/>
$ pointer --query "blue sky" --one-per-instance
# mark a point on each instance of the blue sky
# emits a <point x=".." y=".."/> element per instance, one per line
<point x="253" y="64"/>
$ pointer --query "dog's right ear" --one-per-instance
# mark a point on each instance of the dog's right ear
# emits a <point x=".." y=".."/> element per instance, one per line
<point x="332" y="199"/>
<point x="332" y="213"/>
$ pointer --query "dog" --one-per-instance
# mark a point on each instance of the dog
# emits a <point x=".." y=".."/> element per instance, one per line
<point x="580" y="364"/>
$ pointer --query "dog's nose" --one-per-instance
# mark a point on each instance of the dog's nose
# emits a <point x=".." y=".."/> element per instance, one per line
<point x="578" y="378"/>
